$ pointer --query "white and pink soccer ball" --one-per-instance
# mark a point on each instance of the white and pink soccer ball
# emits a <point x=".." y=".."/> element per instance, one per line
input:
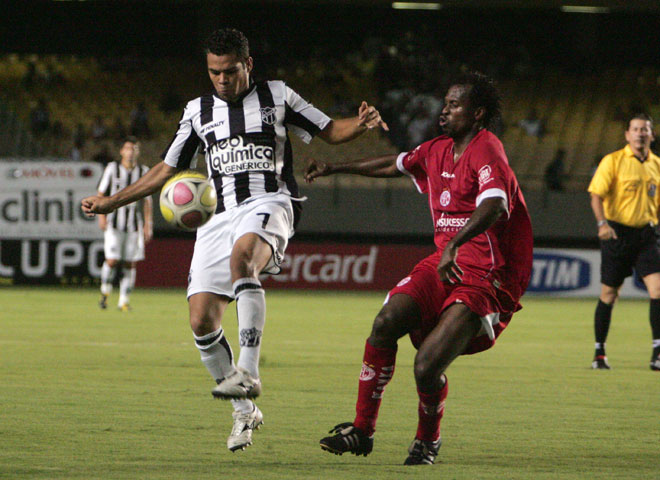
<point x="187" y="200"/>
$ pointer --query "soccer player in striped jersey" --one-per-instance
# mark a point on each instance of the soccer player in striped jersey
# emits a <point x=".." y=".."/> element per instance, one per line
<point x="242" y="127"/>
<point x="127" y="229"/>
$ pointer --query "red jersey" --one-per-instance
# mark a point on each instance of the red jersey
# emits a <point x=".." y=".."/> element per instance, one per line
<point x="502" y="255"/>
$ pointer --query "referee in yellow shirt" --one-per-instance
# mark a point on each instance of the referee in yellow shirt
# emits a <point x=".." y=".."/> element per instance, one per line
<point x="624" y="198"/>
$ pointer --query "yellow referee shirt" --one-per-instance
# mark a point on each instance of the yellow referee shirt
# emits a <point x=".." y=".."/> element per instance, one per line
<point x="628" y="187"/>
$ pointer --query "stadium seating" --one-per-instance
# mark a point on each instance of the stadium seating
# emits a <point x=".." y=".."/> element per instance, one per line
<point x="579" y="110"/>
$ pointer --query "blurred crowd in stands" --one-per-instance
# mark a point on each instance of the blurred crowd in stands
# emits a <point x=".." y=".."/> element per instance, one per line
<point x="78" y="108"/>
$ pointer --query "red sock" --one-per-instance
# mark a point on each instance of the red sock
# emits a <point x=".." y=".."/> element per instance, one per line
<point x="377" y="371"/>
<point x="430" y="410"/>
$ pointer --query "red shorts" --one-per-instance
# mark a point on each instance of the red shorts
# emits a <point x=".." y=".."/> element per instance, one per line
<point x="433" y="296"/>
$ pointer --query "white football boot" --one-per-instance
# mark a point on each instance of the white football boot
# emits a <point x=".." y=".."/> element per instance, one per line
<point x="238" y="385"/>
<point x="244" y="423"/>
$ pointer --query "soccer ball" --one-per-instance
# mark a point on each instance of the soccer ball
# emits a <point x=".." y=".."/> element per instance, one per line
<point x="187" y="200"/>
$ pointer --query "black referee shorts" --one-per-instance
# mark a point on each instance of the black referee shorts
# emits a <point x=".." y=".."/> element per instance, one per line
<point x="634" y="247"/>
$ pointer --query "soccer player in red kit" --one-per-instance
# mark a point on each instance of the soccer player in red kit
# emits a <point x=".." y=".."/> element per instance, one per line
<point x="458" y="300"/>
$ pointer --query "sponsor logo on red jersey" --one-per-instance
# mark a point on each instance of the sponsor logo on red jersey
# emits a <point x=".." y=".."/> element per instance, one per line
<point x="450" y="224"/>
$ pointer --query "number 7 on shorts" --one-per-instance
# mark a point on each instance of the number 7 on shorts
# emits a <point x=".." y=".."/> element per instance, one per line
<point x="266" y="218"/>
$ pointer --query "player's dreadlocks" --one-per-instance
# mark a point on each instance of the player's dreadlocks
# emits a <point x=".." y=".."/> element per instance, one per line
<point x="484" y="94"/>
<point x="228" y="41"/>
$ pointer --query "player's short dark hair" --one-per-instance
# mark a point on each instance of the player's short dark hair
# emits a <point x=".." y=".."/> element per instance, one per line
<point x="225" y="41"/>
<point x="129" y="139"/>
<point x="484" y="94"/>
<point x="640" y="116"/>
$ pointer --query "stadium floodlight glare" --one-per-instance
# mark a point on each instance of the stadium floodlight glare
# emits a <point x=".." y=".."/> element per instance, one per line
<point x="584" y="9"/>
<point x="416" y="6"/>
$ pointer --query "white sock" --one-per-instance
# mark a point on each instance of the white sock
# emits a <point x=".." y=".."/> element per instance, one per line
<point x="243" y="405"/>
<point x="106" y="278"/>
<point x="251" y="309"/>
<point x="126" y="285"/>
<point x="216" y="354"/>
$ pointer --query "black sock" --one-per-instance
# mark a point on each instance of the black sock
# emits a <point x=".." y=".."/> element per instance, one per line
<point x="654" y="314"/>
<point x="602" y="320"/>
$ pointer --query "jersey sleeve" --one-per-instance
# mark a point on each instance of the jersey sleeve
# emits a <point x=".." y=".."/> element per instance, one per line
<point x="301" y="117"/>
<point x="493" y="174"/>
<point x="413" y="164"/>
<point x="601" y="182"/>
<point x="105" y="184"/>
<point x="181" y="151"/>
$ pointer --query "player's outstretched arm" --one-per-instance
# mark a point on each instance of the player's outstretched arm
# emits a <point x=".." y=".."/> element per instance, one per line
<point x="346" y="129"/>
<point x="146" y="185"/>
<point x="381" y="167"/>
<point x="481" y="220"/>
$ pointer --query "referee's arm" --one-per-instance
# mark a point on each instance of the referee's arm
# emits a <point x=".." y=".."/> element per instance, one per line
<point x="605" y="231"/>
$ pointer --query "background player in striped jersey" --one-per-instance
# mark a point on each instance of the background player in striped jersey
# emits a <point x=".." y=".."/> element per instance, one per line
<point x="458" y="300"/>
<point x="242" y="127"/>
<point x="127" y="229"/>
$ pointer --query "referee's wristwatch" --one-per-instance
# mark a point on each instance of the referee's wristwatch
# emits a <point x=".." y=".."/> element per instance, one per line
<point x="601" y="223"/>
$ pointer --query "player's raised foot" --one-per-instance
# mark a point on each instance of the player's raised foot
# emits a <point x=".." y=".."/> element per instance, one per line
<point x="238" y="385"/>
<point x="422" y="452"/>
<point x="244" y="424"/>
<point x="600" y="363"/>
<point x="125" y="307"/>
<point x="103" y="302"/>
<point x="347" y="438"/>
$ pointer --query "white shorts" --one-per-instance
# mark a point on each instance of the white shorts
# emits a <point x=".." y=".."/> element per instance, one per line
<point x="124" y="246"/>
<point x="270" y="217"/>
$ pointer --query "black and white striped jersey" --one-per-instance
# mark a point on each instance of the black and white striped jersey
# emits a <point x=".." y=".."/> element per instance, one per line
<point x="246" y="143"/>
<point x="128" y="218"/>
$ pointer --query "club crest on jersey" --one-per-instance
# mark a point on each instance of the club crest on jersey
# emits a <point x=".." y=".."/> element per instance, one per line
<point x="268" y="115"/>
<point x="652" y="189"/>
<point x="233" y="155"/>
<point x="445" y="198"/>
<point x="484" y="175"/>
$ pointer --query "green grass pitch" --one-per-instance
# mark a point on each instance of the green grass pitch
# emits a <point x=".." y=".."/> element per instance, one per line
<point x="92" y="394"/>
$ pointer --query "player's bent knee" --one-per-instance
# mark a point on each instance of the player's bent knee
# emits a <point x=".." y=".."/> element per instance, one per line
<point x="206" y="312"/>
<point x="242" y="266"/>
<point x="249" y="258"/>
<point x="427" y="370"/>
<point x="386" y="328"/>
<point x="201" y="324"/>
